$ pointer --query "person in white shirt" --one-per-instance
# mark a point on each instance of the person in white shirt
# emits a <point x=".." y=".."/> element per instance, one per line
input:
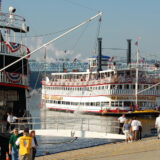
<point x="13" y="120"/>
<point x="9" y="120"/>
<point x="135" y="128"/>
<point x="157" y="125"/>
<point x="140" y="129"/>
<point x="121" y="123"/>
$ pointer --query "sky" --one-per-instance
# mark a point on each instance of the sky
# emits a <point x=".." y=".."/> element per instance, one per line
<point x="121" y="20"/>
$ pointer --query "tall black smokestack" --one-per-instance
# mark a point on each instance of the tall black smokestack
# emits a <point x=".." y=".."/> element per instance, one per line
<point x="99" y="54"/>
<point x="129" y="51"/>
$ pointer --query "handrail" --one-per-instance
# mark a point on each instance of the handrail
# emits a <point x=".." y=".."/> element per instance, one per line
<point x="73" y="124"/>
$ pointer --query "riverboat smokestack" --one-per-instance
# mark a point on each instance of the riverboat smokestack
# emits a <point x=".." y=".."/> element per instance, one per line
<point x="129" y="51"/>
<point x="99" y="54"/>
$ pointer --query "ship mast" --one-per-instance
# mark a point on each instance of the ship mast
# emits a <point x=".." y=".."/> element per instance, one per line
<point x="137" y="67"/>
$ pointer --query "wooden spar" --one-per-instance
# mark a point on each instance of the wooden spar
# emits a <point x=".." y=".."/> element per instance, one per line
<point x="53" y="40"/>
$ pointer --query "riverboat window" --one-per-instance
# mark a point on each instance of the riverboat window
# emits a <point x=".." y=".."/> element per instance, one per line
<point x="92" y="103"/>
<point x="112" y="86"/>
<point x="116" y="104"/>
<point x="127" y="104"/>
<point x="99" y="87"/>
<point x="112" y="103"/>
<point x="119" y="86"/>
<point x="59" y="102"/>
<point x="120" y="103"/>
<point x="128" y="73"/>
<point x="104" y="103"/>
<point x="82" y="104"/>
<point x="133" y="86"/>
<point x="106" y="87"/>
<point x="102" y="87"/>
<point x="126" y="86"/>
<point x="87" y="104"/>
<point x="97" y="103"/>
<point x="112" y="73"/>
<point x="67" y="103"/>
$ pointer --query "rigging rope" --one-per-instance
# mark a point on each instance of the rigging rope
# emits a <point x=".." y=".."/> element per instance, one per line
<point x="80" y="5"/>
<point x="79" y="37"/>
<point x="97" y="34"/>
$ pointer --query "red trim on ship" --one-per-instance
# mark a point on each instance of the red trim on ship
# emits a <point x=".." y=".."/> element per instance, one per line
<point x="14" y="85"/>
<point x="100" y="111"/>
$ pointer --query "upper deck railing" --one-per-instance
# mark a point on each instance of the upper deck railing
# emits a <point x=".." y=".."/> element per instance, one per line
<point x="146" y="79"/>
<point x="14" y="22"/>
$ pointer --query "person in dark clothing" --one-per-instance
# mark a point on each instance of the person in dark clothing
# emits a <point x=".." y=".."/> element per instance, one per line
<point x="32" y="134"/>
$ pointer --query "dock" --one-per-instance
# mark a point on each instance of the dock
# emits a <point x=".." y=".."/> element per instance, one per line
<point x="145" y="149"/>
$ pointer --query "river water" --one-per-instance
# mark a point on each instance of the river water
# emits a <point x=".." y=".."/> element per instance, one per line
<point x="58" y="144"/>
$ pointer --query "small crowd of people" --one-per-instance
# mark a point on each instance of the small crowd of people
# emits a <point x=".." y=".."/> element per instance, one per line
<point x="22" y="146"/>
<point x="132" y="128"/>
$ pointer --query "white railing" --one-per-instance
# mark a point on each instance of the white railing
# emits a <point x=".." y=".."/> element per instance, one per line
<point x="13" y="21"/>
<point x="79" y="124"/>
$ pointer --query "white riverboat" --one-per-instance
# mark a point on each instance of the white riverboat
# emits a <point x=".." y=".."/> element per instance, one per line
<point x="119" y="88"/>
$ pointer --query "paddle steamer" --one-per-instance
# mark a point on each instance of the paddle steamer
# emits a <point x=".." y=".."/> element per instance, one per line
<point x="119" y="88"/>
<point x="14" y="79"/>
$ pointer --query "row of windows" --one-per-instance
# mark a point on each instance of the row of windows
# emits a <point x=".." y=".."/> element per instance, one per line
<point x="125" y="86"/>
<point x="101" y="104"/>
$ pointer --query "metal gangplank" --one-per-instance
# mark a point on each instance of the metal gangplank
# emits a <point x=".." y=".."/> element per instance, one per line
<point x="73" y="127"/>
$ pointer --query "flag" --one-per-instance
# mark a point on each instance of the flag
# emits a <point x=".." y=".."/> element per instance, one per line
<point x="143" y="60"/>
<point x="112" y="58"/>
<point x="136" y="43"/>
<point x="74" y="60"/>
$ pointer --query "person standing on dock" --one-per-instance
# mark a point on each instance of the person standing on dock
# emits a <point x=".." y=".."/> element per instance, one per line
<point x="157" y="125"/>
<point x="13" y="148"/>
<point x="126" y="129"/>
<point x="140" y="129"/>
<point x="25" y="144"/>
<point x="135" y="128"/>
<point x="33" y="150"/>
<point x="9" y="120"/>
<point x="121" y="123"/>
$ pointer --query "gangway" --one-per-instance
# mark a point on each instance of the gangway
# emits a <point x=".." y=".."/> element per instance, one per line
<point x="74" y="127"/>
